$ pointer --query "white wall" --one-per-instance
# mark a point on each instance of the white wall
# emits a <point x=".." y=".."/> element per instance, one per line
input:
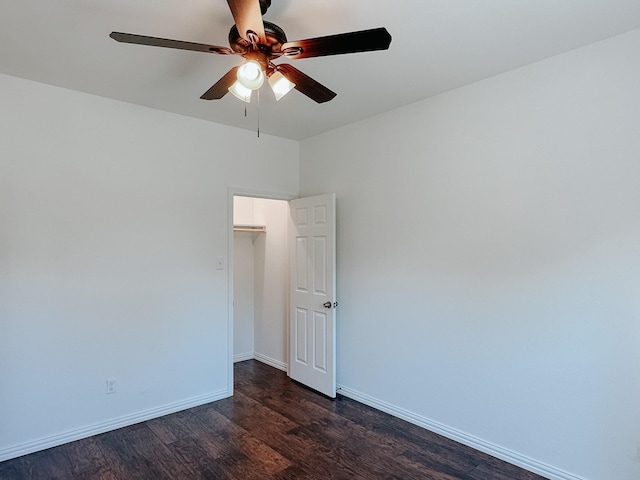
<point x="489" y="260"/>
<point x="243" y="297"/>
<point x="271" y="287"/>
<point x="111" y="217"/>
<point x="261" y="289"/>
<point x="243" y="280"/>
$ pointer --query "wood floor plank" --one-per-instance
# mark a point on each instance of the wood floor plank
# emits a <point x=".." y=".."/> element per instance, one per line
<point x="88" y="460"/>
<point x="190" y="431"/>
<point x="271" y="429"/>
<point x="257" y="451"/>
<point x="158" y="457"/>
<point x="10" y="470"/>
<point x="237" y="465"/>
<point x="162" y="429"/>
<point x="120" y="456"/>
<point x="50" y="464"/>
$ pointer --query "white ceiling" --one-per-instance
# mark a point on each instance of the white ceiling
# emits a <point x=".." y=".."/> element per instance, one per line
<point x="437" y="45"/>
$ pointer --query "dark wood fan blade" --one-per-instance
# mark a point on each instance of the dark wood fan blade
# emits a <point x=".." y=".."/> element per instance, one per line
<point x="248" y="18"/>
<point x="362" y="41"/>
<point x="221" y="87"/>
<point x="306" y="85"/>
<point x="167" y="43"/>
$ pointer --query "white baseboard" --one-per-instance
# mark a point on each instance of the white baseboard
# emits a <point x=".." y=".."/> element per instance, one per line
<point x="474" y="442"/>
<point x="241" y="357"/>
<point x="261" y="358"/>
<point x="270" y="361"/>
<point x="102" y="427"/>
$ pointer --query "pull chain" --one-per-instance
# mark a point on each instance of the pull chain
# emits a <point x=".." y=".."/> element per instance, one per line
<point x="258" y="113"/>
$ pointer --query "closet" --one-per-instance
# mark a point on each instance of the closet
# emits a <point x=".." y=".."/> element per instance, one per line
<point x="260" y="280"/>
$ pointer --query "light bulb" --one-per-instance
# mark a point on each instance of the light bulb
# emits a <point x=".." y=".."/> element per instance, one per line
<point x="250" y="75"/>
<point x="280" y="85"/>
<point x="240" y="91"/>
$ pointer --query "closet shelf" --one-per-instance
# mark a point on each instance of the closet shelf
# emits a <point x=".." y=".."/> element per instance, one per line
<point x="250" y="228"/>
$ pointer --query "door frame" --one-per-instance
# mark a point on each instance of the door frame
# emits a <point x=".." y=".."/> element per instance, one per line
<point x="254" y="193"/>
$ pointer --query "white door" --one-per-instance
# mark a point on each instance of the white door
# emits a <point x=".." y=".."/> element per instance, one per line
<point x="312" y="346"/>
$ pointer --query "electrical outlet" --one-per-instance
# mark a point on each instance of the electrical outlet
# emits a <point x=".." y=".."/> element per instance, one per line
<point x="112" y="385"/>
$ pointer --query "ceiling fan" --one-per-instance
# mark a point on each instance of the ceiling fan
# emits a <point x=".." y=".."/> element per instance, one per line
<point x="260" y="42"/>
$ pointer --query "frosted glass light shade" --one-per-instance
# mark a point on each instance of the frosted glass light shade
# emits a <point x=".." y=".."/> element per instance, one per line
<point x="250" y="75"/>
<point x="280" y="85"/>
<point x="240" y="91"/>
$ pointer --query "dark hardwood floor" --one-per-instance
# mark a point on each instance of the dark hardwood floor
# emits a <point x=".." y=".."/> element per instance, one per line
<point x="272" y="428"/>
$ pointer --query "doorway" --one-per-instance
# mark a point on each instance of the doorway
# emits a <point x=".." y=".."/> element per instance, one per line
<point x="284" y="286"/>
<point x="260" y="280"/>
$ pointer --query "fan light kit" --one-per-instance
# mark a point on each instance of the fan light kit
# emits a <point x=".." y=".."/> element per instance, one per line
<point x="240" y="91"/>
<point x="260" y="42"/>
<point x="250" y="75"/>
<point x="280" y="85"/>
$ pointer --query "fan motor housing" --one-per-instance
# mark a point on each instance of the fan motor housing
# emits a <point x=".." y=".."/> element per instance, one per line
<point x="273" y="48"/>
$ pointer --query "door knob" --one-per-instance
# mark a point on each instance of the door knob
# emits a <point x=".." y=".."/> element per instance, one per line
<point x="327" y="304"/>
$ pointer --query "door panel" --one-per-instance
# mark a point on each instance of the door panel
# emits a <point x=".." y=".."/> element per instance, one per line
<point x="320" y="265"/>
<point x="302" y="278"/>
<point x="301" y="336"/>
<point x="312" y="328"/>
<point x="320" y="338"/>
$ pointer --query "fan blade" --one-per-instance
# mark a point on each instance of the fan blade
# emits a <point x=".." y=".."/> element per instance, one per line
<point x="248" y="18"/>
<point x="221" y="87"/>
<point x="362" y="41"/>
<point x="167" y="43"/>
<point x="306" y="85"/>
